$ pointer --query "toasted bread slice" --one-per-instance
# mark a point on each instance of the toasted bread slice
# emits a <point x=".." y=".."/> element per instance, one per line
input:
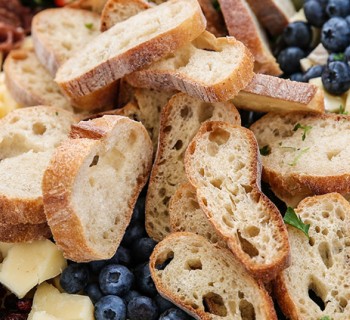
<point x="271" y="94"/>
<point x="295" y="143"/>
<point x="242" y="24"/>
<point x="30" y="83"/>
<point x="24" y="232"/>
<point x="274" y="15"/>
<point x="58" y="32"/>
<point x="165" y="28"/>
<point x="180" y="120"/>
<point x="101" y="169"/>
<point x="207" y="281"/>
<point x="116" y="11"/>
<point x="28" y="137"/>
<point x="187" y="216"/>
<point x="222" y="162"/>
<point x="211" y="69"/>
<point x="315" y="285"/>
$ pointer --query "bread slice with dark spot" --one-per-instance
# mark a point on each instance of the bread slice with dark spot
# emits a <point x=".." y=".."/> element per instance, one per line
<point x="91" y="185"/>
<point x="316" y="283"/>
<point x="206" y="281"/>
<point x="222" y="163"/>
<point x="180" y="120"/>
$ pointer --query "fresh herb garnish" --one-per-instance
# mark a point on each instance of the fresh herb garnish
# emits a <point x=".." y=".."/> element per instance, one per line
<point x="326" y="318"/>
<point x="56" y="113"/>
<point x="89" y="25"/>
<point x="338" y="56"/>
<point x="342" y="110"/>
<point x="265" y="150"/>
<point x="294" y="220"/>
<point x="306" y="129"/>
<point x="287" y="148"/>
<point x="298" y="156"/>
<point x="216" y="5"/>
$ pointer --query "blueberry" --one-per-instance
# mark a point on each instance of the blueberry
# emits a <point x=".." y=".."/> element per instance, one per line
<point x="297" y="34"/>
<point x="142" y="308"/>
<point x="336" y="77"/>
<point x="313" y="72"/>
<point x="289" y="59"/>
<point x="74" y="278"/>
<point x="130" y="295"/>
<point x="96" y="266"/>
<point x="93" y="291"/>
<point x="335" y="35"/>
<point x="142" y="249"/>
<point x="122" y="256"/>
<point x="115" y="279"/>
<point x="315" y="13"/>
<point x="174" y="314"/>
<point x="347" y="19"/>
<point x="298" y="76"/>
<point x="138" y="214"/>
<point x="144" y="280"/>
<point x="132" y="233"/>
<point x="335" y="57"/>
<point x="110" y="308"/>
<point x="338" y="8"/>
<point x="347" y="54"/>
<point x="163" y="304"/>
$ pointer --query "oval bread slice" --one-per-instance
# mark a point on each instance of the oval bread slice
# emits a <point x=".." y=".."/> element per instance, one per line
<point x="91" y="185"/>
<point x="207" y="281"/>
<point x="222" y="163"/>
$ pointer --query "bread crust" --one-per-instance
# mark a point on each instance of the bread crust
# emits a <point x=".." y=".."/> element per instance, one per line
<point x="59" y="181"/>
<point x="271" y="94"/>
<point x="185" y="237"/>
<point x="242" y="24"/>
<point x="177" y="80"/>
<point x="263" y="270"/>
<point x="24" y="232"/>
<point x="126" y="62"/>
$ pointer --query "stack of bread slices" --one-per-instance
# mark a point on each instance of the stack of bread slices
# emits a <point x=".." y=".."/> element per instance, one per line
<point x="127" y="104"/>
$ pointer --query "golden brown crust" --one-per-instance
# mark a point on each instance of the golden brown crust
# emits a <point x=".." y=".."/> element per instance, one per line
<point x="215" y="20"/>
<point x="242" y="24"/>
<point x="271" y="94"/>
<point x="24" y="232"/>
<point x="263" y="271"/>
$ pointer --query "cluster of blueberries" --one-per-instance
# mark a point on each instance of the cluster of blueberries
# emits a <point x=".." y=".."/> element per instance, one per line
<point x="332" y="17"/>
<point x="121" y="287"/>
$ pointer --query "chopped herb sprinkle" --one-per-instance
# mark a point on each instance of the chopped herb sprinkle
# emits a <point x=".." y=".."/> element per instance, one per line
<point x="89" y="25"/>
<point x="294" y="220"/>
<point x="265" y="150"/>
<point x="305" y="128"/>
<point x="298" y="156"/>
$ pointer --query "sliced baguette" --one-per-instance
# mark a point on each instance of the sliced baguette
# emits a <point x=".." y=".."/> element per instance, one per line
<point x="91" y="185"/>
<point x="222" y="163"/>
<point x="165" y="28"/>
<point x="28" y="137"/>
<point x="215" y="21"/>
<point x="30" y="83"/>
<point x="187" y="216"/>
<point x="290" y="165"/>
<point x="209" y="283"/>
<point x="320" y="265"/>
<point x="274" y="15"/>
<point x="242" y="24"/>
<point x="211" y="69"/>
<point x="271" y="94"/>
<point x="116" y="11"/>
<point x="24" y="232"/>
<point x="180" y="120"/>
<point x="59" y="32"/>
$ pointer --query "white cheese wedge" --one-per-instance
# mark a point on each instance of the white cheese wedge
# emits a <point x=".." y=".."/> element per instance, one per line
<point x="7" y="102"/>
<point x="4" y="248"/>
<point x="319" y="55"/>
<point x="306" y="64"/>
<point x="299" y="16"/>
<point x="42" y="315"/>
<point x="63" y="306"/>
<point x="29" y="264"/>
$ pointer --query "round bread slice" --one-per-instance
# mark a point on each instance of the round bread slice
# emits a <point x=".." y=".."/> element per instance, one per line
<point x="28" y="137"/>
<point x="206" y="281"/>
<point x="91" y="185"/>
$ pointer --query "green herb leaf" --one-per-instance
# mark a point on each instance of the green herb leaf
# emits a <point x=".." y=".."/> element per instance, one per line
<point x="298" y="156"/>
<point x="265" y="150"/>
<point x="305" y="128"/>
<point x="89" y="25"/>
<point x="339" y="56"/>
<point x="342" y="110"/>
<point x="294" y="220"/>
<point x="326" y="318"/>
<point x="216" y="5"/>
<point x="288" y="148"/>
<point x="56" y="113"/>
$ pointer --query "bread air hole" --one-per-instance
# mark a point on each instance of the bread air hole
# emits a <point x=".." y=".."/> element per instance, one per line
<point x="326" y="254"/>
<point x="332" y="154"/>
<point x="214" y="304"/>
<point x="212" y="149"/>
<point x="219" y="136"/>
<point x="247" y="310"/>
<point x="178" y="145"/>
<point x="94" y="161"/>
<point x="247" y="247"/>
<point x="164" y="259"/>
<point x="193" y="264"/>
<point x="205" y="112"/>
<point x="216" y="183"/>
<point x="316" y="291"/>
<point x="39" y="128"/>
